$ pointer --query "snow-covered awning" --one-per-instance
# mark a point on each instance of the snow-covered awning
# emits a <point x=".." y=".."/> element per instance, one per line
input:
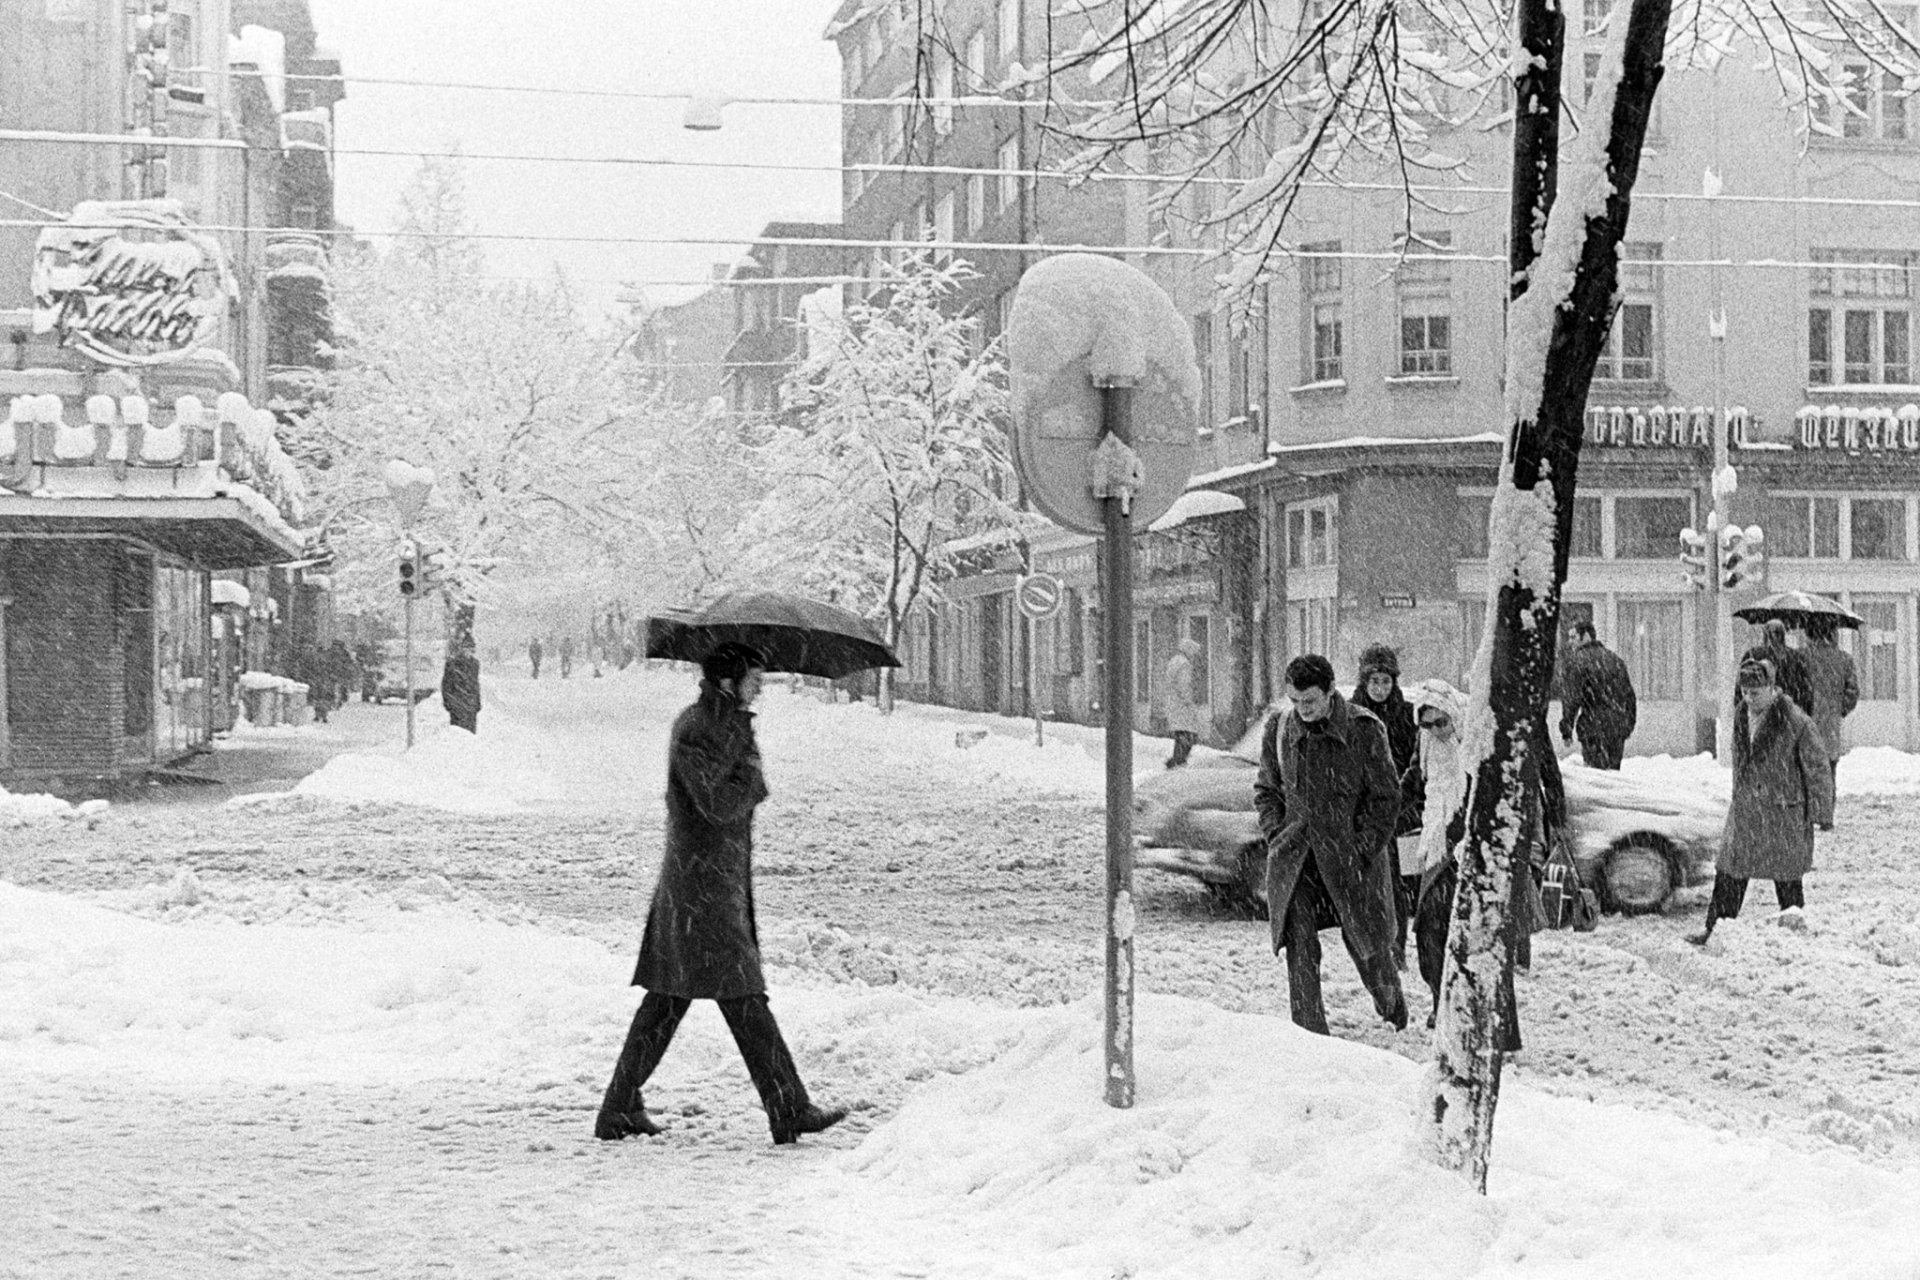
<point x="226" y="591"/>
<point x="1195" y="503"/>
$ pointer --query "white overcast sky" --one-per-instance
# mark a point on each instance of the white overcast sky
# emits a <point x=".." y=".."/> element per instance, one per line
<point x="758" y="48"/>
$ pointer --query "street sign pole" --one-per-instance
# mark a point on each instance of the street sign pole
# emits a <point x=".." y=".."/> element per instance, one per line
<point x="1033" y="680"/>
<point x="1116" y="594"/>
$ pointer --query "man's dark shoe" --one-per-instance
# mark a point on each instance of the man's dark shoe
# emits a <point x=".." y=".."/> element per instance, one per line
<point x="612" y="1126"/>
<point x="812" y="1120"/>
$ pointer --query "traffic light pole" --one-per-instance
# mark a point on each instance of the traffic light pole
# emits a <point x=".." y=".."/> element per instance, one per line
<point x="408" y="681"/>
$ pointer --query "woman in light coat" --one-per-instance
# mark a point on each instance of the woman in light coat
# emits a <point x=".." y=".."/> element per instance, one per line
<point x="1782" y="790"/>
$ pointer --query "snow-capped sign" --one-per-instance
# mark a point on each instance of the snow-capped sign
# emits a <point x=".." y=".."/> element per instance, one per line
<point x="1080" y="321"/>
<point x="129" y="282"/>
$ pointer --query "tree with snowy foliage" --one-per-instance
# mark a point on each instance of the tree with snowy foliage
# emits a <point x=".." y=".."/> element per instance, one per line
<point x="500" y="389"/>
<point x="1213" y="86"/>
<point x="892" y="446"/>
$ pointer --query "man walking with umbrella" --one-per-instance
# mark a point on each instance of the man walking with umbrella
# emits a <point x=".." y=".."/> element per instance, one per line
<point x="701" y="942"/>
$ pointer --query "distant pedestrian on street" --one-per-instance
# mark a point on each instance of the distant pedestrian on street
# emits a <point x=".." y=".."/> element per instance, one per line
<point x="701" y="942"/>
<point x="1185" y="717"/>
<point x="1597" y="704"/>
<point x="1791" y="674"/>
<point x="317" y="674"/>
<point x="1836" y="689"/>
<point x="1782" y="790"/>
<point x="566" y="656"/>
<point x="1328" y="800"/>
<point x="533" y="655"/>
<point x="366" y="659"/>
<point x="342" y="672"/>
<point x="460" y="689"/>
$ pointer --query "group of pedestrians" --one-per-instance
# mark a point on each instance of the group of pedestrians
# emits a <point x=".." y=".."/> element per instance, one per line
<point x="562" y="650"/>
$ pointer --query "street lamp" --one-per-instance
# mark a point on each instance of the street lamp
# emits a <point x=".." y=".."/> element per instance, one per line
<point x="409" y="486"/>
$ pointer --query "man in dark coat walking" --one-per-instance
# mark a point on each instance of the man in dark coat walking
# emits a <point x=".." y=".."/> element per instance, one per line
<point x="1782" y="791"/>
<point x="1328" y="799"/>
<point x="1791" y="674"/>
<point x="701" y="942"/>
<point x="1596" y="700"/>
<point x="460" y="689"/>
<point x="1836" y="686"/>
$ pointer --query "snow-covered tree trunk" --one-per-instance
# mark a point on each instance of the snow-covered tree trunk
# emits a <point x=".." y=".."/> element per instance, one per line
<point x="1564" y="258"/>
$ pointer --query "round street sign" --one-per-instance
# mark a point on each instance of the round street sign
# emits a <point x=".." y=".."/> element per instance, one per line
<point x="1039" y="596"/>
<point x="1082" y="321"/>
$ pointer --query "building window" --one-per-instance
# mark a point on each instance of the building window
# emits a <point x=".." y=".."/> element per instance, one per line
<point x="1002" y="311"/>
<point x="876" y="43"/>
<point x="1008" y="162"/>
<point x="1800" y="528"/>
<point x="1860" y="318"/>
<point x="1426" y="306"/>
<point x="1312" y="534"/>
<point x="855" y="71"/>
<point x="896" y="132"/>
<point x="976" y="203"/>
<point x="1652" y="640"/>
<point x="943" y="223"/>
<point x="1200" y="630"/>
<point x="1143" y="660"/>
<point x="1071" y="657"/>
<point x="1648" y="528"/>
<point x="1632" y="343"/>
<point x="1009" y="31"/>
<point x="1876" y="104"/>
<point x="1321" y="297"/>
<point x="182" y="50"/>
<point x="976" y="61"/>
<point x="942" y="88"/>
<point x="1587" y="543"/>
<point x="1203" y="356"/>
<point x="1876" y="529"/>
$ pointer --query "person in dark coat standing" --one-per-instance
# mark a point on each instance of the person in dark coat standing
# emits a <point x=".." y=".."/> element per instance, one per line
<point x="533" y="655"/>
<point x="1782" y="790"/>
<point x="1378" y="691"/>
<point x="701" y="941"/>
<point x="1836" y="687"/>
<point x="1596" y="700"/>
<point x="1791" y="674"/>
<point x="1328" y="799"/>
<point x="460" y="689"/>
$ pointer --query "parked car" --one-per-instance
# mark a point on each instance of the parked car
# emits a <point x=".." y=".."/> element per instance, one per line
<point x="393" y="683"/>
<point x="1633" y="841"/>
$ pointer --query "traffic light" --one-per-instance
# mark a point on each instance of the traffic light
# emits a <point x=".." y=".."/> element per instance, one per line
<point x="1693" y="558"/>
<point x="410" y="576"/>
<point x="1740" y="555"/>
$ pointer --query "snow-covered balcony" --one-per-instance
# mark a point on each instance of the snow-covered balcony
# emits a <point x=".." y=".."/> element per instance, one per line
<point x="296" y="248"/>
<point x="212" y="487"/>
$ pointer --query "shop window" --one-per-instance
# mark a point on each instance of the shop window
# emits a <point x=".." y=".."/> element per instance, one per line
<point x="1311" y="534"/>
<point x="1876" y="650"/>
<point x="1076" y="628"/>
<point x="1321" y="298"/>
<point x="1648" y="528"/>
<point x="1877" y="529"/>
<point x="1142" y="660"/>
<point x="1472" y="513"/>
<point x="1631" y="353"/>
<point x="1426" y="306"/>
<point x="1199" y="630"/>
<point x="1859" y="317"/>
<point x="1653" y="643"/>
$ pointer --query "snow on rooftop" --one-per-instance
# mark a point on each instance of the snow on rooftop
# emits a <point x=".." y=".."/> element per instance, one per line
<point x="1228" y="473"/>
<point x="1195" y="504"/>
<point x="1376" y="442"/>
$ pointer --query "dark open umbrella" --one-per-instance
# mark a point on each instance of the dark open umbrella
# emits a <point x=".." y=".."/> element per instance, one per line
<point x="791" y="632"/>
<point x="1795" y="607"/>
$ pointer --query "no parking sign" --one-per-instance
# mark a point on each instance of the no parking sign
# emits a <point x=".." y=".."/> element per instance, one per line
<point x="1039" y="596"/>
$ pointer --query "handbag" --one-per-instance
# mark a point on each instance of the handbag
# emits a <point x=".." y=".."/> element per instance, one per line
<point x="1566" y="903"/>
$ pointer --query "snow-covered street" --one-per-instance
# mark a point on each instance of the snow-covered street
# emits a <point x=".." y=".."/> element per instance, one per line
<point x="327" y="1033"/>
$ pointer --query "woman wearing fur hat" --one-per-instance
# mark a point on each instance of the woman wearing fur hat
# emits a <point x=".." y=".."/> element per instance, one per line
<point x="1378" y="691"/>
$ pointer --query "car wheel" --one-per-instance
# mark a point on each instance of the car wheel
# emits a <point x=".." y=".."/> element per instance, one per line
<point x="1636" y="878"/>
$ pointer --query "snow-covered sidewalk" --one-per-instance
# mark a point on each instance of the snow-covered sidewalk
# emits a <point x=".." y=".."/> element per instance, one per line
<point x="403" y="1084"/>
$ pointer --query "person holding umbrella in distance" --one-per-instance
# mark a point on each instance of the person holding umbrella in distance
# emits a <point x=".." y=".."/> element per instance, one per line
<point x="701" y="940"/>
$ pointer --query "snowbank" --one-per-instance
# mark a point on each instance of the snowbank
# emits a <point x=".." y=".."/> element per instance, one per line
<point x="25" y="810"/>
<point x="447" y="769"/>
<point x="1254" y="1150"/>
